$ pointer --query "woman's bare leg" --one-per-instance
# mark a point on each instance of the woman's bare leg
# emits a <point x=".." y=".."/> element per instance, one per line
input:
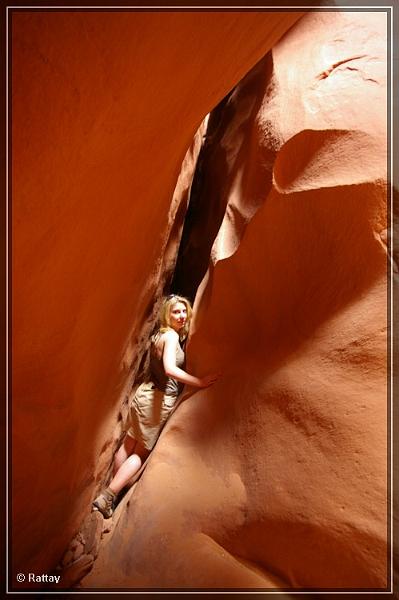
<point x="128" y="468"/>
<point x="124" y="451"/>
<point x="130" y="456"/>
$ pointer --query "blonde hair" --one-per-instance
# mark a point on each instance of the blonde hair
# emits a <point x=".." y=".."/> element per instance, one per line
<point x="164" y="314"/>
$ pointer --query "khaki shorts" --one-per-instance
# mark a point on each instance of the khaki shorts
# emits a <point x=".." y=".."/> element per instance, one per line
<point x="148" y="411"/>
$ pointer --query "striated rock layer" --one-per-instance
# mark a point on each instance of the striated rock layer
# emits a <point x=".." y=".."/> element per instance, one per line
<point x="105" y="105"/>
<point x="277" y="475"/>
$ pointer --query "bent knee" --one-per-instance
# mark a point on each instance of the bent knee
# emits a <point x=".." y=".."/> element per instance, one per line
<point x="134" y="460"/>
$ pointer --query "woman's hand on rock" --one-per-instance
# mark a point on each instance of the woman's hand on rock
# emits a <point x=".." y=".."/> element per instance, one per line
<point x="208" y="380"/>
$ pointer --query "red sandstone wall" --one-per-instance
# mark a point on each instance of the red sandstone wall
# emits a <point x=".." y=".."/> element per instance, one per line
<point x="276" y="476"/>
<point x="104" y="106"/>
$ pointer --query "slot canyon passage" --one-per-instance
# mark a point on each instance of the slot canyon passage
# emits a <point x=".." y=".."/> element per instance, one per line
<point x="276" y="476"/>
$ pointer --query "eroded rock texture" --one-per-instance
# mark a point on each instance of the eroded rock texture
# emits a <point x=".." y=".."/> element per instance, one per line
<point x="104" y="108"/>
<point x="276" y="476"/>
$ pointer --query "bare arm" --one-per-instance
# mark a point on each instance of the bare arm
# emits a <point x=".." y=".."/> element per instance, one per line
<point x="171" y="339"/>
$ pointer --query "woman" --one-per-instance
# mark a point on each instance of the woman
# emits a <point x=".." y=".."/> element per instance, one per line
<point x="155" y="399"/>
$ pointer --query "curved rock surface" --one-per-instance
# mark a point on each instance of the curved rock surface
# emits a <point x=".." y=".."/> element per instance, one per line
<point x="105" y="105"/>
<point x="277" y="475"/>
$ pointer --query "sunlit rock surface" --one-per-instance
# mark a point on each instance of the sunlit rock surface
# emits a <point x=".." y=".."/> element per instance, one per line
<point x="104" y="107"/>
<point x="277" y="475"/>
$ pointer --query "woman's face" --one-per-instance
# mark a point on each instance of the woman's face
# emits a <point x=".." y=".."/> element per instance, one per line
<point x="178" y="316"/>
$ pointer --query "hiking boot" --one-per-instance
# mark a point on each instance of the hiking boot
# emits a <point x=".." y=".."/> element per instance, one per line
<point x="105" y="503"/>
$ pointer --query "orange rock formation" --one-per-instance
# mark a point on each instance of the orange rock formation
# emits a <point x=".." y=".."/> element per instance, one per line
<point x="104" y="107"/>
<point x="276" y="476"/>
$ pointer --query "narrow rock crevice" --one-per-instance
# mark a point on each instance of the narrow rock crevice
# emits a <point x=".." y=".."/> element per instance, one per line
<point x="231" y="131"/>
<point x="197" y="238"/>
